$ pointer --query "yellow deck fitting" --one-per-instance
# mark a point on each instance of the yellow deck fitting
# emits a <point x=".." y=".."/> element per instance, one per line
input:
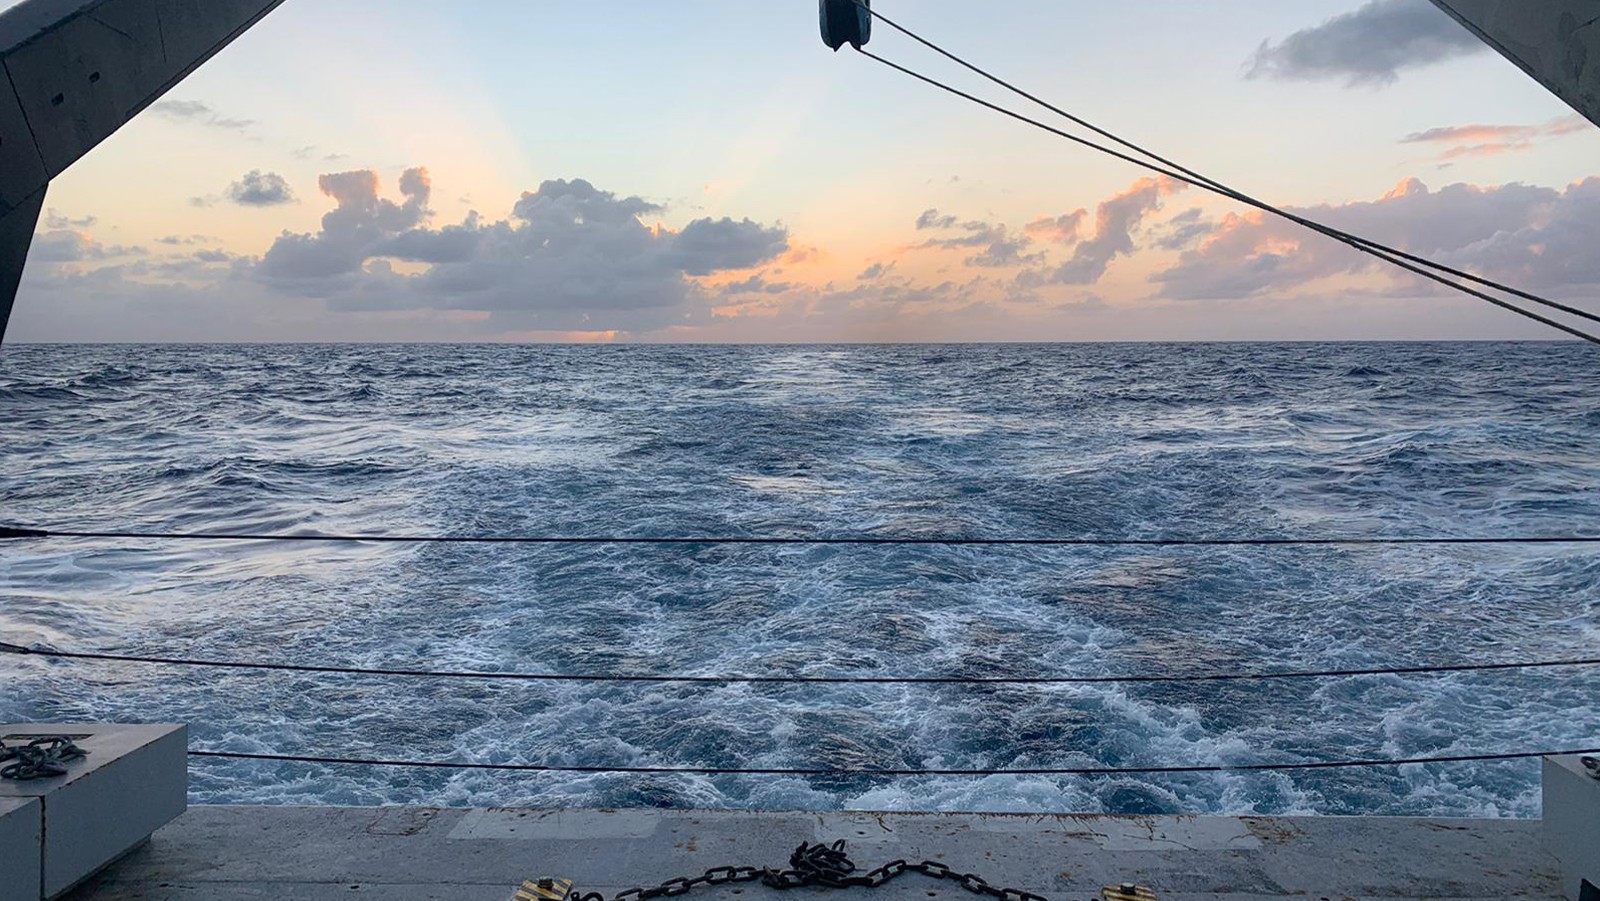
<point x="1127" y="892"/>
<point x="544" y="890"/>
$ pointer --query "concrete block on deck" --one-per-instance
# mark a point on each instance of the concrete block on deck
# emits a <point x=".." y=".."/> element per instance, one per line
<point x="134" y="781"/>
<point x="21" y="833"/>
<point x="1572" y="822"/>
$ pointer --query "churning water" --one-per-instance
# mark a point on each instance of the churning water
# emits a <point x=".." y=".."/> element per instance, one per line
<point x="997" y="441"/>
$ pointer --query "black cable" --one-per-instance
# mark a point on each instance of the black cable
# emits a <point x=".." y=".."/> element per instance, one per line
<point x="1369" y="249"/>
<point x="1199" y="180"/>
<point x="1030" y="771"/>
<point x="802" y="680"/>
<point x="869" y="541"/>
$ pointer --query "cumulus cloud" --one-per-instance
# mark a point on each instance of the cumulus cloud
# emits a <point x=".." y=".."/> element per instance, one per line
<point x="1459" y="141"/>
<point x="354" y="232"/>
<point x="261" y="189"/>
<point x="570" y="257"/>
<point x="1540" y="239"/>
<point x="195" y="112"/>
<point x="1369" y="46"/>
<point x="706" y="246"/>
<point x="1115" y="223"/>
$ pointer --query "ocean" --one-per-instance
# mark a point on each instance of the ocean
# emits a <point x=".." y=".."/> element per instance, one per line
<point x="1013" y="441"/>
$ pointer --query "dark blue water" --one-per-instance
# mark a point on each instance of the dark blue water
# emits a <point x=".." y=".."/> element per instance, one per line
<point x="1011" y="441"/>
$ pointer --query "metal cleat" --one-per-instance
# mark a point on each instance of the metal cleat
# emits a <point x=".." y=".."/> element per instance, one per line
<point x="544" y="890"/>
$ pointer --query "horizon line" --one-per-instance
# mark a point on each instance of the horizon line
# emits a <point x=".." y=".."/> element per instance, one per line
<point x="843" y="343"/>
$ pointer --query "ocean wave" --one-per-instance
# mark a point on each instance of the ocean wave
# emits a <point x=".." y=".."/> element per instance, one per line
<point x="1027" y="441"/>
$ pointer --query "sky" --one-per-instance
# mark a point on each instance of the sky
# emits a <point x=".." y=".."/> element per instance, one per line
<point x="708" y="171"/>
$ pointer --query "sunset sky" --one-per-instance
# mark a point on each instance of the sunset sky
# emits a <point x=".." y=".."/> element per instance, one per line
<point x="504" y="170"/>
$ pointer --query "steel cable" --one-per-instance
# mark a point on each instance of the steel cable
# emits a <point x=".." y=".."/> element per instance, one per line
<point x="1166" y="167"/>
<point x="1441" y="669"/>
<point x="1206" y="183"/>
<point x="823" y="772"/>
<point x="20" y="534"/>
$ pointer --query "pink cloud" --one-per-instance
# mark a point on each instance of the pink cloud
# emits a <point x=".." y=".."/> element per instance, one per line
<point x="1467" y="141"/>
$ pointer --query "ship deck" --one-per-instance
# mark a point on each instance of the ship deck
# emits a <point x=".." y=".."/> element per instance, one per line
<point x="412" y="854"/>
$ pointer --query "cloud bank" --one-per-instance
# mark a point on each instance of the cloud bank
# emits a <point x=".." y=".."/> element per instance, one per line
<point x="570" y="256"/>
<point x="571" y="261"/>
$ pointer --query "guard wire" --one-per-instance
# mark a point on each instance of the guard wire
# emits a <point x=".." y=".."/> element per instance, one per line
<point x="1204" y="182"/>
<point x="800" y="680"/>
<point x="823" y="772"/>
<point x="1397" y="259"/>
<point x="869" y="541"/>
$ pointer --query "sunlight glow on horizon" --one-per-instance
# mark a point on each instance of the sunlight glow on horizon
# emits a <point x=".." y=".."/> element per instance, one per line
<point x="723" y="109"/>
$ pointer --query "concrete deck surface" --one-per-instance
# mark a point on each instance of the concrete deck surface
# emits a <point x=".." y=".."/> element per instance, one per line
<point x="317" y="854"/>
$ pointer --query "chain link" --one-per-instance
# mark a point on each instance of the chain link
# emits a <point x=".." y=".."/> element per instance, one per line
<point x="42" y="758"/>
<point x="819" y="865"/>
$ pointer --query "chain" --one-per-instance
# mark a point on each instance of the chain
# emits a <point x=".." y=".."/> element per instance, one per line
<point x="819" y="865"/>
<point x="41" y="758"/>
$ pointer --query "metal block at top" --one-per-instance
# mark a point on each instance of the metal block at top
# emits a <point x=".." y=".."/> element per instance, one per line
<point x="134" y="781"/>
<point x="1553" y="40"/>
<point x="82" y="80"/>
<point x="21" y="24"/>
<point x="1572" y="821"/>
<point x="195" y="30"/>
<point x="21" y="832"/>
<point x="22" y="172"/>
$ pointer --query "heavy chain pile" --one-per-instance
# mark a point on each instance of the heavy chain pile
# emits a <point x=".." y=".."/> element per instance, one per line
<point x="41" y="758"/>
<point x="819" y="865"/>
